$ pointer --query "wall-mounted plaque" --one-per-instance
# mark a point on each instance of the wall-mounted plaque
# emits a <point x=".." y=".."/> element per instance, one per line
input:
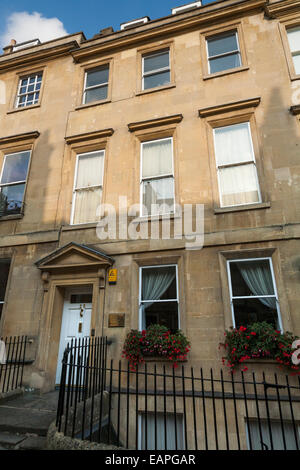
<point x="116" y="320"/>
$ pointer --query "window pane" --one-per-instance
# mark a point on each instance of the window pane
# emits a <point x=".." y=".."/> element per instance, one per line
<point x="233" y="144"/>
<point x="238" y="185"/>
<point x="248" y="311"/>
<point x="159" y="283"/>
<point x="97" y="77"/>
<point x="160" y="430"/>
<point x="262" y="433"/>
<point x="90" y="170"/>
<point x="296" y="59"/>
<point x="161" y="193"/>
<point x="159" y="79"/>
<point x="156" y="62"/>
<point x="222" y="44"/>
<point x="161" y="313"/>
<point x="15" y="167"/>
<point x="86" y="204"/>
<point x="4" y="271"/>
<point x="224" y="63"/>
<point x="96" y="94"/>
<point x="11" y="199"/>
<point x="294" y="38"/>
<point x="157" y="158"/>
<point x="251" y="278"/>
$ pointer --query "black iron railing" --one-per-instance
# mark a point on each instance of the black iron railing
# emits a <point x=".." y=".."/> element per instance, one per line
<point x="157" y="407"/>
<point x="12" y="362"/>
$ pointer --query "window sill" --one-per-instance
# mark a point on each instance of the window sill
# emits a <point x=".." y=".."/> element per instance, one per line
<point x="17" y="110"/>
<point x="160" y="359"/>
<point x="246" y="207"/>
<point x="155" y="218"/>
<point x="225" y="72"/>
<point x="11" y="217"/>
<point x="154" y="90"/>
<point x="94" y="103"/>
<point x="67" y="228"/>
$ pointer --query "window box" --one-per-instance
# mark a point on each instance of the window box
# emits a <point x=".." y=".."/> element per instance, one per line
<point x="257" y="343"/>
<point x="157" y="342"/>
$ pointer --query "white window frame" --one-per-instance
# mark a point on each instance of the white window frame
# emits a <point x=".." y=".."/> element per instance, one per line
<point x="297" y="52"/>
<point x="140" y="417"/>
<point x="275" y="295"/>
<point x="149" y="178"/>
<point x="87" y="187"/>
<point x="219" y="56"/>
<point x="3" y="185"/>
<point x="20" y="95"/>
<point x="230" y="165"/>
<point x="155" y="71"/>
<point x="93" y="87"/>
<point x="141" y="327"/>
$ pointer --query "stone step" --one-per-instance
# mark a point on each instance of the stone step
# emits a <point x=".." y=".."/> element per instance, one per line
<point x="33" y="443"/>
<point x="10" y="441"/>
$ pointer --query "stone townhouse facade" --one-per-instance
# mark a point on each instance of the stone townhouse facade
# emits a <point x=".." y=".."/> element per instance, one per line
<point x="213" y="91"/>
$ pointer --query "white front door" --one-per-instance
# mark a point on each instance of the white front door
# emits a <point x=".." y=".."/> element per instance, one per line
<point x="76" y="321"/>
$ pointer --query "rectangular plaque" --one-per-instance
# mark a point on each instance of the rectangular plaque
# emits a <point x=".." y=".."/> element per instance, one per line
<point x="116" y="320"/>
<point x="112" y="276"/>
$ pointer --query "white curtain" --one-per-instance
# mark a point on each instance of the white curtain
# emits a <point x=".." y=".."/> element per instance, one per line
<point x="157" y="158"/>
<point x="86" y="204"/>
<point x="294" y="38"/>
<point x="238" y="185"/>
<point x="160" y="429"/>
<point x="233" y="144"/>
<point x="258" y="278"/>
<point x="88" y="197"/>
<point x="2" y="352"/>
<point x="277" y="436"/>
<point x="294" y="41"/>
<point x="155" y="282"/>
<point x="90" y="170"/>
<point x="160" y="191"/>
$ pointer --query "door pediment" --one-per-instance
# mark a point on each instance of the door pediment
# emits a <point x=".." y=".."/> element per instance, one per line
<point x="74" y="256"/>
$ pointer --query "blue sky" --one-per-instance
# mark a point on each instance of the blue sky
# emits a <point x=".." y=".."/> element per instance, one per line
<point x="88" y="16"/>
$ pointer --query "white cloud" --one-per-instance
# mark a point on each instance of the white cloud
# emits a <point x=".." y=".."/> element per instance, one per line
<point x="23" y="26"/>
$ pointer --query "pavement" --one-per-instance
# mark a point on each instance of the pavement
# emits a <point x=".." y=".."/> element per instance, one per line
<point x="25" y="420"/>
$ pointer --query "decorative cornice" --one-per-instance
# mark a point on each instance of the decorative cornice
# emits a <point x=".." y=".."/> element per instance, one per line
<point x="163" y="121"/>
<point x="11" y="139"/>
<point x="35" y="56"/>
<point x="282" y="8"/>
<point x="168" y="26"/>
<point x="228" y="107"/>
<point x="295" y="110"/>
<point x="75" y="139"/>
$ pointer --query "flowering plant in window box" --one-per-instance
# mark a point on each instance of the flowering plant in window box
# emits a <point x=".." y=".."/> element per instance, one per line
<point x="258" y="341"/>
<point x="156" y="341"/>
